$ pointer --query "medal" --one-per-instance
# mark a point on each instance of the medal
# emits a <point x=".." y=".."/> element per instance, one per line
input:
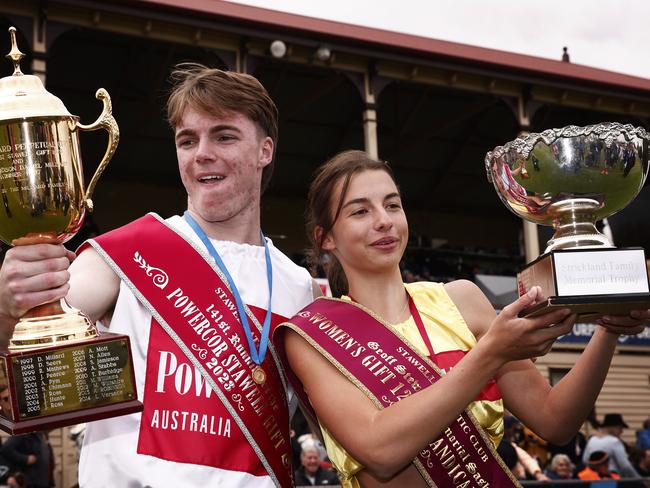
<point x="259" y="375"/>
<point x="257" y="356"/>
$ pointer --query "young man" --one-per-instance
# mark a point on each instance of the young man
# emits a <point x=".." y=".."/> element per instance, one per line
<point x="215" y="412"/>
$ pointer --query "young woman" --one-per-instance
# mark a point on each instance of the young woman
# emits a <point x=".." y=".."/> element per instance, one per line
<point x="408" y="382"/>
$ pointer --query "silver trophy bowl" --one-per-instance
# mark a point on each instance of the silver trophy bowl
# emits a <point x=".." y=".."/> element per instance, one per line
<point x="571" y="177"/>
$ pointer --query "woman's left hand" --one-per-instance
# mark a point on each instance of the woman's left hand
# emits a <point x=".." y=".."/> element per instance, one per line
<point x="631" y="324"/>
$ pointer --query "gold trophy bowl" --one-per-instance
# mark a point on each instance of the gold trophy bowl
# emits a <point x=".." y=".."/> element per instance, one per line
<point x="54" y="356"/>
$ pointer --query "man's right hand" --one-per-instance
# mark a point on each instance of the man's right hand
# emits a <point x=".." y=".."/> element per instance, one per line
<point x="32" y="275"/>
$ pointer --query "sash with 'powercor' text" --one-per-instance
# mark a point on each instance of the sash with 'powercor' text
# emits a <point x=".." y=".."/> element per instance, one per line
<point x="190" y="299"/>
<point x="383" y="365"/>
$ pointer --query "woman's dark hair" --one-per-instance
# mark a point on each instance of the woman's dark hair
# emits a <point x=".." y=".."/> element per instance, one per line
<point x="320" y="202"/>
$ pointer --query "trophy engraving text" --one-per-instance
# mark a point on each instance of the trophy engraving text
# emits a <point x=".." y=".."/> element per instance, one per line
<point x="50" y="382"/>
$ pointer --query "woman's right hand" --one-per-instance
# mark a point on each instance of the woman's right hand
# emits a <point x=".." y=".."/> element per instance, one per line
<point x="32" y="275"/>
<point x="511" y="337"/>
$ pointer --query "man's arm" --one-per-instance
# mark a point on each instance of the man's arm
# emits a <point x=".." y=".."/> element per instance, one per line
<point x="94" y="286"/>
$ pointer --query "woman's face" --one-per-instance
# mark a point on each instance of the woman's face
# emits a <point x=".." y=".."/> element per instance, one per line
<point x="371" y="231"/>
<point x="563" y="468"/>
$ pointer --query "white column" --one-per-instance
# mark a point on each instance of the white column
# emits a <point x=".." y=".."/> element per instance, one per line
<point x="531" y="239"/>
<point x="369" y="120"/>
<point x="39" y="66"/>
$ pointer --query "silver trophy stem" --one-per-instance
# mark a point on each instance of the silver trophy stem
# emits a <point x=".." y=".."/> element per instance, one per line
<point x="574" y="224"/>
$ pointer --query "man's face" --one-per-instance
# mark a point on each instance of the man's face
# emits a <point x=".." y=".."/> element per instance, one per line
<point x="221" y="159"/>
<point x="310" y="460"/>
<point x="5" y="403"/>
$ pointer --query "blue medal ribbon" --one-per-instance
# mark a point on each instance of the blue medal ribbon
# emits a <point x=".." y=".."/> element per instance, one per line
<point x="256" y="356"/>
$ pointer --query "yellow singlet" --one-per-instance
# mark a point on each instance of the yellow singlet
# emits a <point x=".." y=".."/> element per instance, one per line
<point x="450" y="338"/>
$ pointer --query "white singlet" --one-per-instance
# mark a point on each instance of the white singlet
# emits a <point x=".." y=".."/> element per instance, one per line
<point x="112" y="453"/>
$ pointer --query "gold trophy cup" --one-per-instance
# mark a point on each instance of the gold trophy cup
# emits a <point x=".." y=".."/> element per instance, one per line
<point x="58" y="370"/>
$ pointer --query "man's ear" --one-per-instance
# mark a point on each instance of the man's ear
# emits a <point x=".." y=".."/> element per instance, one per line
<point x="266" y="152"/>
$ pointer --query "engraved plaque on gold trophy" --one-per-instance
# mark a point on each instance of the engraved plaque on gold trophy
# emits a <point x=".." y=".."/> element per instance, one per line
<point x="57" y="370"/>
<point x="569" y="178"/>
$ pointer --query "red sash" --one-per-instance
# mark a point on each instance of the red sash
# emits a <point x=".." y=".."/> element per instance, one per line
<point x="189" y="299"/>
<point x="387" y="369"/>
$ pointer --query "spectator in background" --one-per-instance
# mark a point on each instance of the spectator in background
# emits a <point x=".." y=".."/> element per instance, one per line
<point x="310" y="440"/>
<point x="560" y="468"/>
<point x="408" y="276"/>
<point x="573" y="449"/>
<point x="5" y="401"/>
<point x="643" y="436"/>
<point x="31" y="454"/>
<point x="643" y="464"/>
<point x="527" y="466"/>
<point x="597" y="468"/>
<point x="522" y="464"/>
<point x="608" y="440"/>
<point x="535" y="446"/>
<point x="17" y="480"/>
<point x="310" y="472"/>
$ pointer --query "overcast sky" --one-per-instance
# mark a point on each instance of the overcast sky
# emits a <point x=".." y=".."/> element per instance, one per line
<point x="608" y="34"/>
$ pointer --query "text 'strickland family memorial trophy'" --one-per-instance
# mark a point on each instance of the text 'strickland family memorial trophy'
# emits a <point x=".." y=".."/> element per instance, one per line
<point x="570" y="178"/>
<point x="58" y="370"/>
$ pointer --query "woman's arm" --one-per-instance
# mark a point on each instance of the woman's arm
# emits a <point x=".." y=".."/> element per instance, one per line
<point x="387" y="440"/>
<point x="557" y="413"/>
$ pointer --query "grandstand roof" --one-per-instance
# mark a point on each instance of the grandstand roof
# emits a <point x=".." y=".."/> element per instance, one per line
<point x="405" y="43"/>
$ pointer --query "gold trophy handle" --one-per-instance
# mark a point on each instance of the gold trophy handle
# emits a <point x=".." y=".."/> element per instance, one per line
<point x="104" y="121"/>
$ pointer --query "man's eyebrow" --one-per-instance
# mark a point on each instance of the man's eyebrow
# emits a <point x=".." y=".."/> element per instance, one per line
<point x="214" y="129"/>
<point x="183" y="132"/>
<point x="220" y="127"/>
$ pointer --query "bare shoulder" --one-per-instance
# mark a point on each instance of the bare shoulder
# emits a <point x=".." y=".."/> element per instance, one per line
<point x="465" y="293"/>
<point x="320" y="379"/>
<point x="300" y="353"/>
<point x="94" y="286"/>
<point x="472" y="304"/>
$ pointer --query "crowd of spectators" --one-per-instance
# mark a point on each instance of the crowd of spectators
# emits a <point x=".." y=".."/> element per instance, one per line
<point x="603" y="456"/>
